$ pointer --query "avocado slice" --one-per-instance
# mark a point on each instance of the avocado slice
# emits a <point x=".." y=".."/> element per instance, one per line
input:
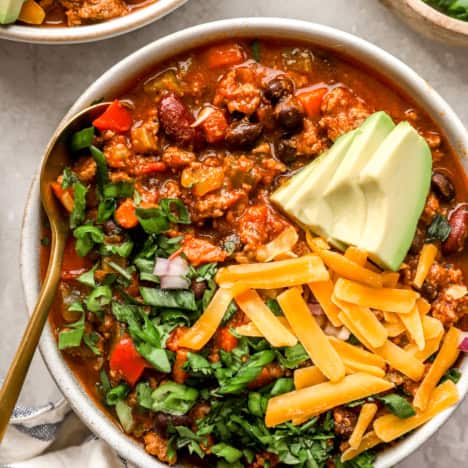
<point x="395" y="184"/>
<point x="10" y="10"/>
<point x="343" y="194"/>
<point x="301" y="197"/>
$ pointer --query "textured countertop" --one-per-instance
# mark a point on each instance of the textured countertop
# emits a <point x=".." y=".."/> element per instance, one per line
<point x="39" y="83"/>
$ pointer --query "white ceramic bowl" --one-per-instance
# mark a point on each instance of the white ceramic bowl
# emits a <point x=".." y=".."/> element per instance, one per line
<point x="108" y="85"/>
<point x="94" y="32"/>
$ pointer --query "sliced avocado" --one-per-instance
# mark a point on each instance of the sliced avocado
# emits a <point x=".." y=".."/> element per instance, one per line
<point x="10" y="10"/>
<point x="343" y="194"/>
<point x="302" y="196"/>
<point x="395" y="184"/>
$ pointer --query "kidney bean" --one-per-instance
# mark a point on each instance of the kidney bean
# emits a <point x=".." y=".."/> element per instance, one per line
<point x="176" y="120"/>
<point x="286" y="151"/>
<point x="289" y="114"/>
<point x="442" y="186"/>
<point x="459" y="231"/>
<point x="162" y="421"/>
<point x="243" y="133"/>
<point x="278" y="87"/>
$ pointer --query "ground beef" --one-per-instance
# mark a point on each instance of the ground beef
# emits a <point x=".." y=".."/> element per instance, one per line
<point x="431" y="208"/>
<point x="176" y="158"/>
<point x="117" y="152"/>
<point x="310" y="142"/>
<point x="342" y="111"/>
<point x="214" y="205"/>
<point x="345" y="420"/>
<point x="92" y="11"/>
<point x="239" y="90"/>
<point x="85" y="169"/>
<point x="449" y="309"/>
<point x="401" y="380"/>
<point x="262" y="458"/>
<point x="157" y="445"/>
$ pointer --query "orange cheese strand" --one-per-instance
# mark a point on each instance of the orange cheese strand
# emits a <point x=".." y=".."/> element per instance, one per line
<point x="432" y="345"/>
<point x="426" y="259"/>
<point x="204" y="328"/>
<point x="445" y="358"/>
<point x="273" y="275"/>
<point x="356" y="255"/>
<point x="322" y="397"/>
<point x="353" y="367"/>
<point x="352" y="353"/>
<point x="308" y="376"/>
<point x="388" y="299"/>
<point x="250" y="329"/>
<point x="413" y="325"/>
<point x="367" y="442"/>
<point x="323" y="291"/>
<point x="310" y="334"/>
<point x="280" y="245"/>
<point x="390" y="427"/>
<point x="349" y="269"/>
<point x="316" y="243"/>
<point x="365" y="321"/>
<point x="271" y="328"/>
<point x="366" y="415"/>
<point x="390" y="279"/>
<point x="432" y="327"/>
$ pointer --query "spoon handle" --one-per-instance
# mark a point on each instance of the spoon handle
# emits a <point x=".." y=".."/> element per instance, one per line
<point x="14" y="380"/>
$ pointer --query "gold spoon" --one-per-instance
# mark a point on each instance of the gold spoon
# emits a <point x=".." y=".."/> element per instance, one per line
<point x="56" y="158"/>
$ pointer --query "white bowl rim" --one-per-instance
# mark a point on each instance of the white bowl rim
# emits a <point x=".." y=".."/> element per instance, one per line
<point x="365" y="52"/>
<point x="93" y="32"/>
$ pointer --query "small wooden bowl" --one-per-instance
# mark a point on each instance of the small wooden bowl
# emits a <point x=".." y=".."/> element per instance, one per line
<point x="430" y="22"/>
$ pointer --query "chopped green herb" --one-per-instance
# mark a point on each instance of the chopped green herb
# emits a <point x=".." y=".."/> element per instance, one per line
<point x="45" y="241"/>
<point x="455" y="8"/>
<point x="77" y="216"/>
<point x="228" y="452"/>
<point x="398" y="405"/>
<point x="99" y="298"/>
<point x="68" y="178"/>
<point x="293" y="356"/>
<point x="124" y="413"/>
<point x="282" y="385"/>
<point x="256" y="50"/>
<point x="82" y="139"/>
<point x="439" y="229"/>
<point x="72" y="335"/>
<point x="87" y="278"/>
<point x="86" y="237"/>
<point x="176" y="299"/>
<point x="102" y="170"/>
<point x="452" y="374"/>
<point x="175" y="210"/>
<point x="91" y="341"/>
<point x="116" y="394"/>
<point x="106" y="209"/>
<point x="152" y="220"/>
<point x="144" y="391"/>
<point x="274" y="306"/>
<point x="173" y="398"/>
<point x="118" y="190"/>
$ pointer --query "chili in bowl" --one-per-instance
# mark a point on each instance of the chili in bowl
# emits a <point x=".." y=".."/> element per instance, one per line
<point x="266" y="256"/>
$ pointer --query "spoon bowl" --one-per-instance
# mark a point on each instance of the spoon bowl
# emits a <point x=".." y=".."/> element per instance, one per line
<point x="57" y="157"/>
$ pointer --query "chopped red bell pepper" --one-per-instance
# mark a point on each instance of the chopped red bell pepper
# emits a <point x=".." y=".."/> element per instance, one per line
<point x="125" y="359"/>
<point x="224" y="55"/>
<point x="116" y="117"/>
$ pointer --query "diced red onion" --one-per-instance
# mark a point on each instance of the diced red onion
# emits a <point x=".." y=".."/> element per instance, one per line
<point x="315" y="308"/>
<point x="463" y="346"/>
<point x="161" y="266"/>
<point x="174" y="282"/>
<point x="177" y="267"/>
<point x="343" y="334"/>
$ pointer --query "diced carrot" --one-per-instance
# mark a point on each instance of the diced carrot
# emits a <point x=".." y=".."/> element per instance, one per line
<point x="178" y="372"/>
<point x="200" y="251"/>
<point x="116" y="117"/>
<point x="426" y="259"/>
<point x="149" y="167"/>
<point x="215" y="126"/>
<point x="125" y="215"/>
<point x="312" y="100"/>
<point x="64" y="195"/>
<point x="72" y="264"/>
<point x="224" y="55"/>
<point x="202" y="181"/>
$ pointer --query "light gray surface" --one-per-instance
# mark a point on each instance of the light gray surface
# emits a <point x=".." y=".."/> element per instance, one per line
<point x="39" y="83"/>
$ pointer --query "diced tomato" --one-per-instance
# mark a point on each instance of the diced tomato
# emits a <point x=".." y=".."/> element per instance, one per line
<point x="73" y="265"/>
<point x="312" y="100"/>
<point x="149" y="167"/>
<point x="225" y="339"/>
<point x="172" y="343"/>
<point x="215" y="126"/>
<point x="116" y="117"/>
<point x="200" y="251"/>
<point x="178" y="373"/>
<point x="125" y="359"/>
<point x="64" y="195"/>
<point x="134" y="287"/>
<point x="224" y="55"/>
<point x="125" y="214"/>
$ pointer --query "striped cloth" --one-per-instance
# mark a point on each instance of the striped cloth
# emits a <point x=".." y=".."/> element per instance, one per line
<point x="52" y="436"/>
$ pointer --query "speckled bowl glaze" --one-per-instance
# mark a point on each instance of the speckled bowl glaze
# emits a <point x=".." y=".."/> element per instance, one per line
<point x="109" y="84"/>
<point x="94" y="32"/>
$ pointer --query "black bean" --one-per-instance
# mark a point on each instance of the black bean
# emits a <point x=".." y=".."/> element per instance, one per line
<point x="278" y="88"/>
<point x="429" y="291"/>
<point x="289" y="115"/>
<point x="110" y="228"/>
<point x="243" y="134"/>
<point x="198" y="288"/>
<point x="162" y="421"/>
<point x="442" y="186"/>
<point x="286" y="151"/>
